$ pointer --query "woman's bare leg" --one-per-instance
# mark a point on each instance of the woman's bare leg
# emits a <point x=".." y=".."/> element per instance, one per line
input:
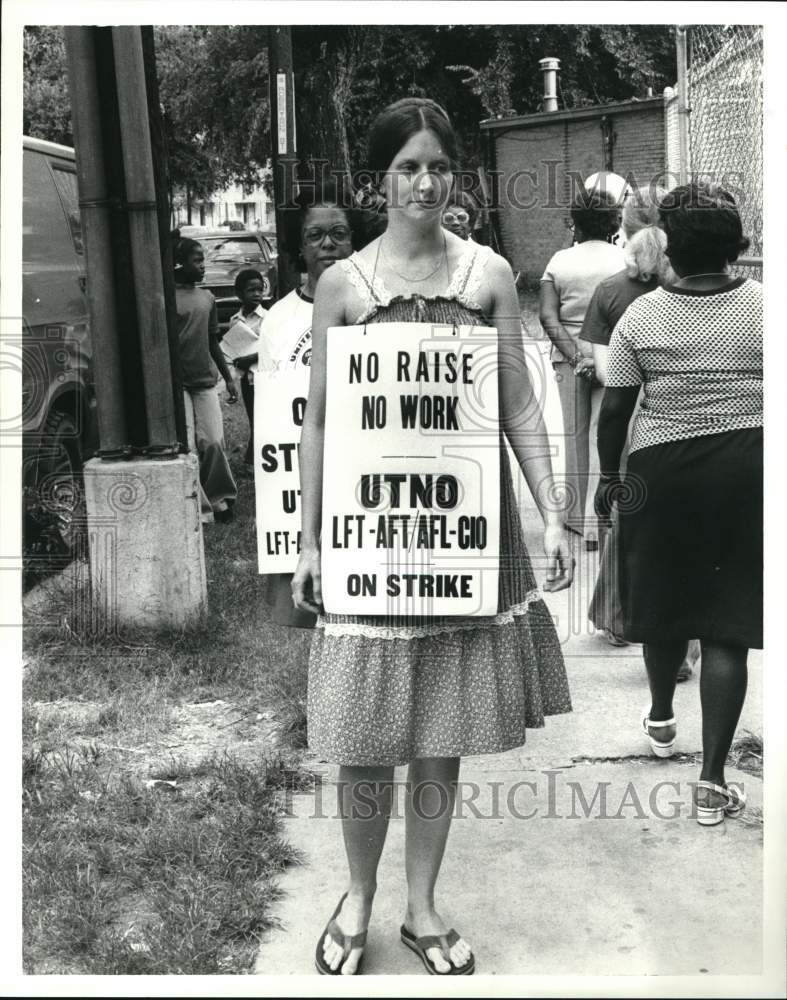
<point x="431" y="793"/>
<point x="365" y="797"/>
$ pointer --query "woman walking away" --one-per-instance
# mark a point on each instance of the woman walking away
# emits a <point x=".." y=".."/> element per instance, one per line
<point x="568" y="283"/>
<point x="201" y="360"/>
<point x="690" y="506"/>
<point x="383" y="693"/>
<point x="646" y="268"/>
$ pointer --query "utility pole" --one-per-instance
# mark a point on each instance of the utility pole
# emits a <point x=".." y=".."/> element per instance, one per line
<point x="283" y="142"/>
<point x="147" y="564"/>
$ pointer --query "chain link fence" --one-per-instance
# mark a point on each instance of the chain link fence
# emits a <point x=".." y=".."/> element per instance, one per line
<point x="725" y="70"/>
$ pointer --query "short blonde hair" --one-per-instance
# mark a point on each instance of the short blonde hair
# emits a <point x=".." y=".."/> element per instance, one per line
<point x="641" y="209"/>
<point x="643" y="254"/>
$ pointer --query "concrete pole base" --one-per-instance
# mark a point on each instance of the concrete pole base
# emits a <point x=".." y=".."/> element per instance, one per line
<point x="147" y="561"/>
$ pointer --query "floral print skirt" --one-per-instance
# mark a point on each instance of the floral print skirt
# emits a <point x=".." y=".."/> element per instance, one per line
<point x="386" y="691"/>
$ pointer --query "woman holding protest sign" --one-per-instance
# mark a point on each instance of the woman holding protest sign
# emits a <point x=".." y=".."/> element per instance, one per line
<point x="319" y="230"/>
<point x="384" y="691"/>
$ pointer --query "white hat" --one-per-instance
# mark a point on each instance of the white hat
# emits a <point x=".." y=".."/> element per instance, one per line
<point x="606" y="181"/>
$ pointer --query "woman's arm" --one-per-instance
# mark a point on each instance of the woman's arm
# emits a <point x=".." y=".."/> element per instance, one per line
<point x="613" y="423"/>
<point x="600" y="356"/>
<point x="549" y="314"/>
<point x="523" y="422"/>
<point x="328" y="311"/>
<point x="596" y="328"/>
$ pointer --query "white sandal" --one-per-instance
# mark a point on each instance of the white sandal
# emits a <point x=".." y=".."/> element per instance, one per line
<point x="733" y="805"/>
<point x="661" y="748"/>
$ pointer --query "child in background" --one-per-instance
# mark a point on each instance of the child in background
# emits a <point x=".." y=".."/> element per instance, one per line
<point x="250" y="288"/>
<point x="201" y="360"/>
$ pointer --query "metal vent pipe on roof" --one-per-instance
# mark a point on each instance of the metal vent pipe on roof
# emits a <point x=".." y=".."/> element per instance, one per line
<point x="550" y="68"/>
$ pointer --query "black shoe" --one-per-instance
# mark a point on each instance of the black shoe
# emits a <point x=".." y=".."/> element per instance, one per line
<point x="224" y="516"/>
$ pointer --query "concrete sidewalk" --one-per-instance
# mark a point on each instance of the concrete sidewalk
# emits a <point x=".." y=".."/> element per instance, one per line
<point x="595" y="867"/>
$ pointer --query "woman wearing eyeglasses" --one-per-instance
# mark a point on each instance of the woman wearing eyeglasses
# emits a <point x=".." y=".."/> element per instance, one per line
<point x="317" y="233"/>
<point x="459" y="215"/>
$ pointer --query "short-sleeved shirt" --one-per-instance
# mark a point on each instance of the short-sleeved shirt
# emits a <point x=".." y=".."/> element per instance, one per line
<point x="698" y="356"/>
<point x="286" y="333"/>
<point x="253" y="321"/>
<point x="611" y="299"/>
<point x="575" y="272"/>
<point x="197" y="322"/>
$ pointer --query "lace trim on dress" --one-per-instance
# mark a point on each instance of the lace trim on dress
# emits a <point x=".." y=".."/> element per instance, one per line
<point x="368" y="287"/>
<point x="463" y="287"/>
<point x="425" y="631"/>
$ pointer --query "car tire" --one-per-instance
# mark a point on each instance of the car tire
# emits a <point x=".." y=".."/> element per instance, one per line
<point x="56" y="523"/>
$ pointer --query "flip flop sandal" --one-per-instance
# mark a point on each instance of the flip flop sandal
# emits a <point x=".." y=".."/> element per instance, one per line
<point x="442" y="941"/>
<point x="733" y="805"/>
<point x="348" y="941"/>
<point x="661" y="748"/>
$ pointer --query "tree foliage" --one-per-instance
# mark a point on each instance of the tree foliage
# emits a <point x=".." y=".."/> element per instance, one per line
<point x="214" y="91"/>
<point x="46" y="110"/>
<point x="344" y="76"/>
<point x="214" y="84"/>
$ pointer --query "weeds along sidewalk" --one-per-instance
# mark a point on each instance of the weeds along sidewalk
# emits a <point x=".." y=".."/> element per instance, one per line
<point x="155" y="771"/>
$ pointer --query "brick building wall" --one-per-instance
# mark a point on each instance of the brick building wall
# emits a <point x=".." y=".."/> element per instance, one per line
<point x="540" y="160"/>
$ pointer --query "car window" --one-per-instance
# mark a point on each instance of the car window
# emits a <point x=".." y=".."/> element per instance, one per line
<point x="238" y="248"/>
<point x="46" y="238"/>
<point x="66" y="184"/>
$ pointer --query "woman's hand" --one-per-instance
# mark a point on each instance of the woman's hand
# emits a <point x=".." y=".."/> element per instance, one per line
<point x="307" y="582"/>
<point x="584" y="368"/>
<point x="560" y="566"/>
<point x="232" y="391"/>
<point x="605" y="497"/>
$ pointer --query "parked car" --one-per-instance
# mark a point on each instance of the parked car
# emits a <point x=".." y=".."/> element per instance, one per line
<point x="227" y="253"/>
<point x="59" y="426"/>
<point x="273" y="243"/>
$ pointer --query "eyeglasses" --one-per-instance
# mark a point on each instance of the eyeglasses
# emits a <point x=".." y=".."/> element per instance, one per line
<point x="451" y="217"/>
<point x="314" y="235"/>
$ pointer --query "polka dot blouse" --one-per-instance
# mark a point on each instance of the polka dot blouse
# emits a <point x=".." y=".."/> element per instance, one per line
<point x="698" y="356"/>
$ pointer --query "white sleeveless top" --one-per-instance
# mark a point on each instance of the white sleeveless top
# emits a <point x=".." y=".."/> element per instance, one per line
<point x="463" y="286"/>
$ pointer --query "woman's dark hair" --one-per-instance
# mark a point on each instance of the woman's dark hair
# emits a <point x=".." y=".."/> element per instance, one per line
<point x="399" y="122"/>
<point x="703" y="227"/>
<point x="244" y="277"/>
<point x="324" y="192"/>
<point x="183" y="247"/>
<point x="465" y="201"/>
<point x="596" y="214"/>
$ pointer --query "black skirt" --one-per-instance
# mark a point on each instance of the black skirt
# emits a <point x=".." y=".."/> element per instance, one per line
<point x="691" y="536"/>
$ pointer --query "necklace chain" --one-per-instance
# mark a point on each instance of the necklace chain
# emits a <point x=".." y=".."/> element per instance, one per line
<point x="409" y="277"/>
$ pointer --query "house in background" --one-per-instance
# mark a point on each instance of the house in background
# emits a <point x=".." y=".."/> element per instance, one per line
<point x="251" y="207"/>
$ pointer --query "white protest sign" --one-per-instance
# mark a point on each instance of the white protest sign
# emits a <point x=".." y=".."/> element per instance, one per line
<point x="281" y="388"/>
<point x="411" y="484"/>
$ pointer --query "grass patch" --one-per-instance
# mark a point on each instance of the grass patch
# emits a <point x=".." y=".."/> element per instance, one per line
<point x="747" y="753"/>
<point x="156" y="768"/>
<point x="126" y="877"/>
